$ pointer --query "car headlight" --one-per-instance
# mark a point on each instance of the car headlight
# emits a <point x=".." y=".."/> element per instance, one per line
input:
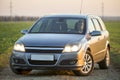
<point x="19" y="47"/>
<point x="72" y="48"/>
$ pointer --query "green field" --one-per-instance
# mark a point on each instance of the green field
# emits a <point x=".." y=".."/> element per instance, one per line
<point x="10" y="32"/>
<point x="114" y="30"/>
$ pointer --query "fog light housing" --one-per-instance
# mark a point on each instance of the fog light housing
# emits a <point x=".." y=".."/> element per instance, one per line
<point x="19" y="61"/>
<point x="68" y="62"/>
<point x="72" y="62"/>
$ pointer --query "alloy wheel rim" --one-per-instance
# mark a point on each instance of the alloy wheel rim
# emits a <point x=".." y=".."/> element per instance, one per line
<point x="87" y="64"/>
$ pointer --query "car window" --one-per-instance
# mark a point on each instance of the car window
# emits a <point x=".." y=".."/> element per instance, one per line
<point x="91" y="26"/>
<point x="96" y="24"/>
<point x="102" y="24"/>
<point x="36" y="29"/>
<point x="59" y="25"/>
<point x="75" y="25"/>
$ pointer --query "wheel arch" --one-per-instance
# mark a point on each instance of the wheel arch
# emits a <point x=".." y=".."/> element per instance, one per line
<point x="87" y="48"/>
<point x="108" y="44"/>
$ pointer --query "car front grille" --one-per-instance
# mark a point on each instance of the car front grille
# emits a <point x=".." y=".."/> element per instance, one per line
<point x="43" y="50"/>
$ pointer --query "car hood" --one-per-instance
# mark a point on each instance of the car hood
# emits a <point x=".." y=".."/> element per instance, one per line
<point x="50" y="39"/>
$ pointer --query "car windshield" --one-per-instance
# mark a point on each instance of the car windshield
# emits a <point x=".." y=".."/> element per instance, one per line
<point x="59" y="25"/>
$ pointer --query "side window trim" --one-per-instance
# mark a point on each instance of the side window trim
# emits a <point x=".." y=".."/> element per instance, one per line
<point x="93" y="23"/>
<point x="98" y="24"/>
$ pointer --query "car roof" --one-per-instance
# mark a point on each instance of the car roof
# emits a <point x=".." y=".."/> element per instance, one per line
<point x="68" y="15"/>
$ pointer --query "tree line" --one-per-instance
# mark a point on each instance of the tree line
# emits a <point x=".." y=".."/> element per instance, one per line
<point x="18" y="18"/>
<point x="28" y="18"/>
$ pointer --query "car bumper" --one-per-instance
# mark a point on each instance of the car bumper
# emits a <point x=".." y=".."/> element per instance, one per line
<point x="64" y="61"/>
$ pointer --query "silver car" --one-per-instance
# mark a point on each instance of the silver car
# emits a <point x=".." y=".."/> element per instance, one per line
<point x="62" y="42"/>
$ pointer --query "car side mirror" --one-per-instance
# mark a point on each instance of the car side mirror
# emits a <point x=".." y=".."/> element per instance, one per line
<point x="24" y="31"/>
<point x="95" y="33"/>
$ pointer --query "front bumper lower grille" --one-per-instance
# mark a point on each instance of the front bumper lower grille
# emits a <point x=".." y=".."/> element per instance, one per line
<point x="42" y="62"/>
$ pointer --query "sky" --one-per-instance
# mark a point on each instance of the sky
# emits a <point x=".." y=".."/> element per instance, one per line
<point x="45" y="7"/>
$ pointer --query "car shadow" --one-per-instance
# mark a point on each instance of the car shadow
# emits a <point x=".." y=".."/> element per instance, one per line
<point x="57" y="72"/>
<point x="50" y="73"/>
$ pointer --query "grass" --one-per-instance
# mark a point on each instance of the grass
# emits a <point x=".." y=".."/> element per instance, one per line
<point x="114" y="30"/>
<point x="10" y="32"/>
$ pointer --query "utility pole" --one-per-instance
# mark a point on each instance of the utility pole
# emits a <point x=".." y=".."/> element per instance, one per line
<point x="102" y="9"/>
<point x="11" y="9"/>
<point x="81" y="6"/>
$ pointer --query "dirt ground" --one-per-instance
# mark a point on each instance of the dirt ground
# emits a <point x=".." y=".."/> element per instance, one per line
<point x="97" y="74"/>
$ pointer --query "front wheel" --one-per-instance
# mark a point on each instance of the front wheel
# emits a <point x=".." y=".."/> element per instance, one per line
<point x="18" y="71"/>
<point x="87" y="67"/>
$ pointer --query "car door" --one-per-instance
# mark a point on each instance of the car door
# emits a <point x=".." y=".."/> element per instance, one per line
<point x="93" y="42"/>
<point x="100" y="46"/>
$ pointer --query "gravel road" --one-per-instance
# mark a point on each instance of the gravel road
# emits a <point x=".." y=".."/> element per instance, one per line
<point x="97" y="74"/>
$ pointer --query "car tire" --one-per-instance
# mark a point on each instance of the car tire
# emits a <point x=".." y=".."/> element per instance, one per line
<point x="88" y="67"/>
<point x="104" y="64"/>
<point x="18" y="71"/>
